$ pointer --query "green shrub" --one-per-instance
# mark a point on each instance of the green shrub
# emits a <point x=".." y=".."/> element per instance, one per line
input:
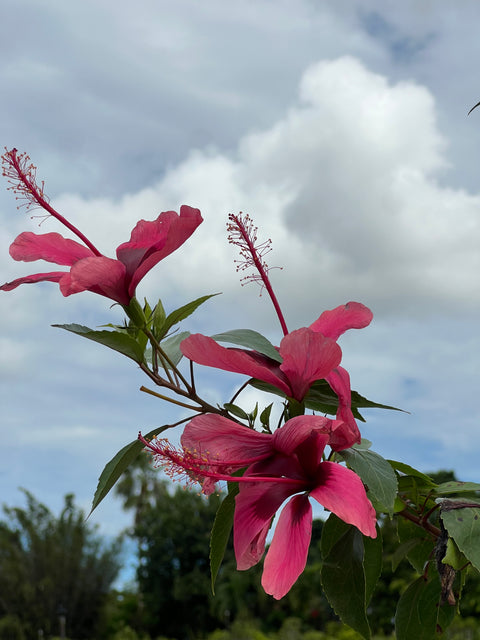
<point x="11" y="628"/>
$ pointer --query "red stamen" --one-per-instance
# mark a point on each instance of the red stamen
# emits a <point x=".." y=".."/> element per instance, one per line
<point x="21" y="173"/>
<point x="194" y="468"/>
<point x="243" y="234"/>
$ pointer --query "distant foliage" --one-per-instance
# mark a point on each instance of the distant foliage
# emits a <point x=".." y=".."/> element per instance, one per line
<point x="52" y="566"/>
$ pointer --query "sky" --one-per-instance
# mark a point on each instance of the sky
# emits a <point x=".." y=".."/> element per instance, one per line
<point x="341" y="128"/>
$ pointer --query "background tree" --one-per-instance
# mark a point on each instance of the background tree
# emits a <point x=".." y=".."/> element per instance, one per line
<point x="50" y="566"/>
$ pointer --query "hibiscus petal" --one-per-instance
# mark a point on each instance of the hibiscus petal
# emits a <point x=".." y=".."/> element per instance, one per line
<point x="307" y="356"/>
<point x="296" y="430"/>
<point x="287" y="556"/>
<point x="54" y="276"/>
<point x="97" y="274"/>
<point x="334" y="323"/>
<point x="51" y="247"/>
<point x="346" y="432"/>
<point x="151" y="241"/>
<point x="255" y="506"/>
<point x="219" y="438"/>
<point x="341" y="491"/>
<point x="206" y="351"/>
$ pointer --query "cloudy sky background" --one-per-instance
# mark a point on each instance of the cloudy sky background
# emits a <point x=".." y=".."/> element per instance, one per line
<point x="341" y="128"/>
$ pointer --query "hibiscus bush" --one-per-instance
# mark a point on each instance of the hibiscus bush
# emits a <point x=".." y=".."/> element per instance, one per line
<point x="272" y="461"/>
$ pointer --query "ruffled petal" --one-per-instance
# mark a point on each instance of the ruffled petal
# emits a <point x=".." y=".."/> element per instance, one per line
<point x="220" y="439"/>
<point x="255" y="506"/>
<point x="307" y="356"/>
<point x="51" y="247"/>
<point x="295" y="431"/>
<point x="101" y="275"/>
<point x="54" y="276"/>
<point x="334" y="323"/>
<point x="346" y="432"/>
<point x="206" y="351"/>
<point x="287" y="555"/>
<point x="151" y="241"/>
<point x="341" y="491"/>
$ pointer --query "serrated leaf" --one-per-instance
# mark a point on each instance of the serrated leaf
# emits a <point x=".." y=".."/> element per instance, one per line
<point x="463" y="525"/>
<point x="222" y="527"/>
<point x="116" y="340"/>
<point x="251" y="340"/>
<point x="377" y="474"/>
<point x="342" y="573"/>
<point x="183" y="312"/>
<point x="117" y="465"/>
<point x="417" y="610"/>
<point x="447" y="488"/>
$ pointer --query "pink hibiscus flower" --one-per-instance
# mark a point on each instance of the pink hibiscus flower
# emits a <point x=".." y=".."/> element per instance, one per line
<point x="308" y="354"/>
<point x="90" y="270"/>
<point x="280" y="466"/>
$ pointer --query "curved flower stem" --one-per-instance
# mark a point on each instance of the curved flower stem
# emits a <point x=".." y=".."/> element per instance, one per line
<point x="167" y="399"/>
<point x="163" y="356"/>
<point x="243" y="234"/>
<point x="21" y="174"/>
<point x="190" y="394"/>
<point x="239" y="391"/>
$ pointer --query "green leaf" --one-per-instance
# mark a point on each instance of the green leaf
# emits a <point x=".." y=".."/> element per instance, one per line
<point x="372" y="564"/>
<point x="377" y="474"/>
<point x="407" y="470"/>
<point x="265" y="416"/>
<point x="417" y="610"/>
<point x="343" y="576"/>
<point x="420" y="552"/>
<point x="222" y="527"/>
<point x="447" y="488"/>
<point x="251" y="340"/>
<point x="364" y="444"/>
<point x="117" y="465"/>
<point x="322" y="398"/>
<point x="236" y="410"/>
<point x="171" y="346"/>
<point x="453" y="556"/>
<point x="364" y="403"/>
<point x="183" y="312"/>
<point x="463" y="525"/>
<point x="116" y="340"/>
<point x="402" y="551"/>
<point x="158" y="320"/>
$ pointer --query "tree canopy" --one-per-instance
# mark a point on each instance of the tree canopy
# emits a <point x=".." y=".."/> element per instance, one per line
<point x="51" y="567"/>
